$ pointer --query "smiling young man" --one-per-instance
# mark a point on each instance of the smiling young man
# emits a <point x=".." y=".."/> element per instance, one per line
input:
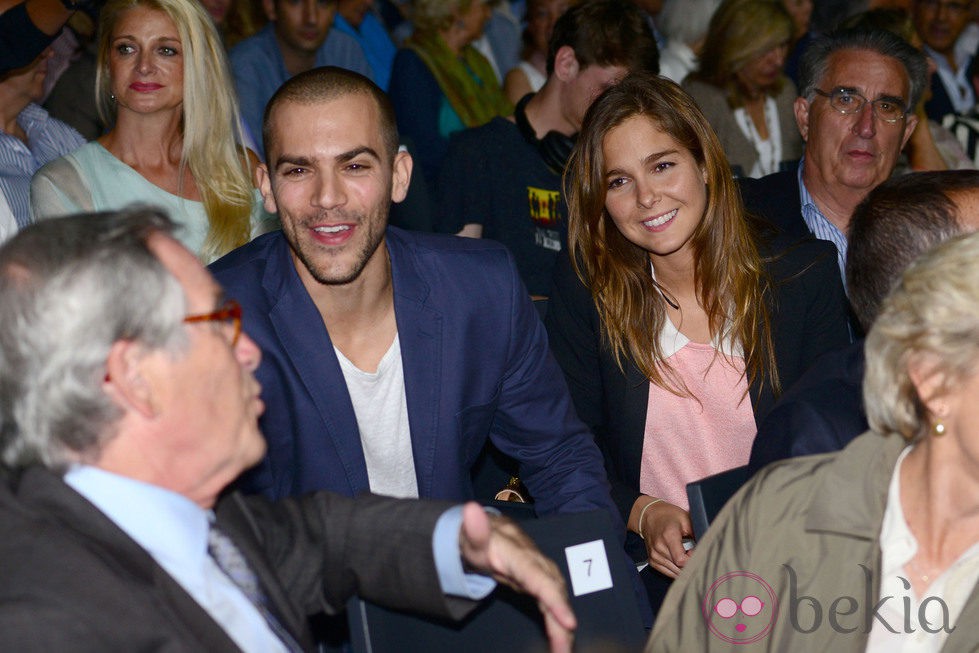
<point x="390" y="357"/>
<point x="856" y="89"/>
<point x="299" y="37"/>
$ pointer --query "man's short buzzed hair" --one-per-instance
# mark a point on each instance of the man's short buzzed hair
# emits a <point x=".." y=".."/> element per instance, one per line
<point x="898" y="221"/>
<point x="605" y="33"/>
<point x="326" y="84"/>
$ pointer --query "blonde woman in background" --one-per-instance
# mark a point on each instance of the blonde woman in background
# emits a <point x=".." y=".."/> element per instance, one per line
<point x="163" y="81"/>
<point x="742" y="89"/>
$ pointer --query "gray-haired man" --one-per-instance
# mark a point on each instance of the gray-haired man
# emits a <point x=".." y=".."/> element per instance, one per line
<point x="128" y="403"/>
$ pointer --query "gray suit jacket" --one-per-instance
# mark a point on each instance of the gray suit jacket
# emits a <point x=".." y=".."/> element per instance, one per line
<point x="72" y="580"/>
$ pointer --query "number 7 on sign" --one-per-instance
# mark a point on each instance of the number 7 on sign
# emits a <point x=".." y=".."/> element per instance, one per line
<point x="588" y="567"/>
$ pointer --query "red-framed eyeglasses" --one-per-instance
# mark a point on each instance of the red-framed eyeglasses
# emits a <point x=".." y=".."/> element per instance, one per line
<point x="229" y="313"/>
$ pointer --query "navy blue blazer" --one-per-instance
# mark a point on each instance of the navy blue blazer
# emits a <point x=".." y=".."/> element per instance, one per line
<point x="476" y="366"/>
<point x="775" y="199"/>
<point x="822" y="412"/>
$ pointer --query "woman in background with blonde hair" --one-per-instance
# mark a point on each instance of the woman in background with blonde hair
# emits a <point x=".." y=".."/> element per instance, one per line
<point x="741" y="86"/>
<point x="678" y="321"/>
<point x="163" y="82"/>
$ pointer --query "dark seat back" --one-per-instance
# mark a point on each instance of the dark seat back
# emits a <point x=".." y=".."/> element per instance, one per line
<point x="708" y="495"/>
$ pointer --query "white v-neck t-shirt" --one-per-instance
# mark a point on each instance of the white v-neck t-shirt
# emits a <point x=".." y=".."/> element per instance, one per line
<point x="381" y="408"/>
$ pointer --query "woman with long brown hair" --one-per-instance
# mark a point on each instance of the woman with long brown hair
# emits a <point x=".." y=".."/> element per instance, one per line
<point x="678" y="321"/>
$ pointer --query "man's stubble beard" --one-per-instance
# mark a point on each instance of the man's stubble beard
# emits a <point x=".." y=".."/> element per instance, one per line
<point x="374" y="237"/>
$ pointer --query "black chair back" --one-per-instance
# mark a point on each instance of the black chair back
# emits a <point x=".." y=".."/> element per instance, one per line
<point x="708" y="495"/>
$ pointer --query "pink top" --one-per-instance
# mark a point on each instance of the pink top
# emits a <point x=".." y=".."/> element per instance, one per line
<point x="686" y="439"/>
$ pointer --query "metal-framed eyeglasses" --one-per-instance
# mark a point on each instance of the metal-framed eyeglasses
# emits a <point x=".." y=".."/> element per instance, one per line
<point x="229" y="313"/>
<point x="848" y="101"/>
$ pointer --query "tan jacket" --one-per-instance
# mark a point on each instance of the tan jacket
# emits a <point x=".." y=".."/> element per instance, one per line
<point x="802" y="537"/>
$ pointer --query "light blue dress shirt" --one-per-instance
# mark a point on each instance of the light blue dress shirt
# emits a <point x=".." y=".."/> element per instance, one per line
<point x="820" y="226"/>
<point x="47" y="139"/>
<point x="173" y="530"/>
<point x="376" y="43"/>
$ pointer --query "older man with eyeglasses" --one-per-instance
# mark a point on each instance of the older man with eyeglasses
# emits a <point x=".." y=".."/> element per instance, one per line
<point x="128" y="405"/>
<point x="856" y="91"/>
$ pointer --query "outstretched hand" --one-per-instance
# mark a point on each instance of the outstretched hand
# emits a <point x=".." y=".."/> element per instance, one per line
<point x="496" y="546"/>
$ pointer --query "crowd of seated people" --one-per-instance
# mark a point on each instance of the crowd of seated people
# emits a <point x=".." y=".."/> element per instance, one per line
<point x="700" y="196"/>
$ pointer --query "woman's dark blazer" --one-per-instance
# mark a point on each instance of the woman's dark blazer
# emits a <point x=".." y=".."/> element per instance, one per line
<point x="808" y="319"/>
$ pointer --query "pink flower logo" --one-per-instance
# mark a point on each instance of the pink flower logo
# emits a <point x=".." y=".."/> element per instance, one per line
<point x="740" y="607"/>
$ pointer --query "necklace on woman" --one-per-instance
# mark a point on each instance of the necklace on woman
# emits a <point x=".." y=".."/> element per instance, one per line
<point x="916" y="570"/>
<point x="667" y="296"/>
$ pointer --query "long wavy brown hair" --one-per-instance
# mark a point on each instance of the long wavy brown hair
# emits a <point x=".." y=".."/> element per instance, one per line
<point x="731" y="282"/>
